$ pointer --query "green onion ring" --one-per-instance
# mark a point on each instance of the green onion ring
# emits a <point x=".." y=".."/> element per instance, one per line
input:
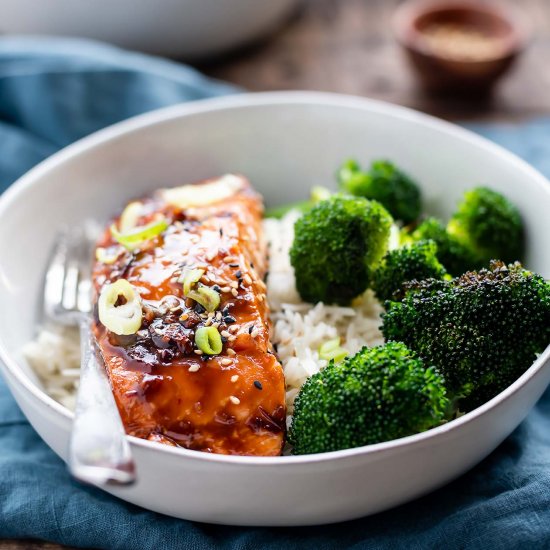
<point x="208" y="340"/>
<point x="135" y="237"/>
<point x="331" y="350"/>
<point x="207" y="297"/>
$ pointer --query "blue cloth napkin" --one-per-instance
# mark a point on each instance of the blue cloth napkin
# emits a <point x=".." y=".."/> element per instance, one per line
<point x="55" y="91"/>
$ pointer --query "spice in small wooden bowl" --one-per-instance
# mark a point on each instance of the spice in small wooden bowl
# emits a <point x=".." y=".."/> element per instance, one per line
<point x="460" y="46"/>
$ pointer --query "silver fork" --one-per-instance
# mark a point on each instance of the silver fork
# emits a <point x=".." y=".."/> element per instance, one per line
<point x="99" y="452"/>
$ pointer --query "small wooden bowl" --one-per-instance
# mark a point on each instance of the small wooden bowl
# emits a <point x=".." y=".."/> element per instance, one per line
<point x="460" y="47"/>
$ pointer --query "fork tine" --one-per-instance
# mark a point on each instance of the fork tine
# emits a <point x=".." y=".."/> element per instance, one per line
<point x="70" y="284"/>
<point x="85" y="268"/>
<point x="55" y="276"/>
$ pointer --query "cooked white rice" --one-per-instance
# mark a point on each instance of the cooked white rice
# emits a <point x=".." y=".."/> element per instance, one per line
<point x="298" y="328"/>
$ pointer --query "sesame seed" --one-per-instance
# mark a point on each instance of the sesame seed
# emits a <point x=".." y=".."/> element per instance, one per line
<point x="254" y="333"/>
<point x="198" y="351"/>
<point x="231" y="338"/>
<point x="234" y="378"/>
<point x="225" y="333"/>
<point x="208" y="322"/>
<point x="226" y="289"/>
<point x="218" y="315"/>
<point x="229" y="259"/>
<point x="194" y="368"/>
<point x="233" y="329"/>
<point x="247" y="279"/>
<point x="234" y="292"/>
<point x="231" y="351"/>
<point x="234" y="400"/>
<point x="258" y="384"/>
<point x="234" y="284"/>
<point x="225" y="362"/>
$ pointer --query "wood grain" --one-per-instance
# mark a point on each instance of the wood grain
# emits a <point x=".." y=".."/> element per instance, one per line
<point x="346" y="46"/>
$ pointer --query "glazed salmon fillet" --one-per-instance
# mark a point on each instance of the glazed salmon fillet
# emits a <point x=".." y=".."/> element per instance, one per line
<point x="167" y="388"/>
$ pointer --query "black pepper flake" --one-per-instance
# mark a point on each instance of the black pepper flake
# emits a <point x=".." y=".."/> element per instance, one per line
<point x="199" y="309"/>
<point x="228" y="319"/>
<point x="224" y="339"/>
<point x="221" y="232"/>
<point x="251" y="265"/>
<point x="216" y="288"/>
<point x="233" y="265"/>
<point x="238" y="274"/>
<point x="250" y="329"/>
<point x="258" y="384"/>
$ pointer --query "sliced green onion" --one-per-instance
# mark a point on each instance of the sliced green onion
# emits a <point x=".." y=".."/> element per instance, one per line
<point x="319" y="194"/>
<point x="190" y="278"/>
<point x="331" y="350"/>
<point x="107" y="255"/>
<point x="130" y="216"/>
<point x="208" y="340"/>
<point x="279" y="212"/>
<point x="123" y="319"/>
<point x="133" y="238"/>
<point x="202" y="194"/>
<point x="207" y="297"/>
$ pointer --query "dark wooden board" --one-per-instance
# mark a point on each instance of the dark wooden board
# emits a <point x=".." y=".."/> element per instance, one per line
<point x="347" y="46"/>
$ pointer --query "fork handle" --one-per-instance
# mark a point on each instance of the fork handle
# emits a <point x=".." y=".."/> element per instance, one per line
<point x="99" y="452"/>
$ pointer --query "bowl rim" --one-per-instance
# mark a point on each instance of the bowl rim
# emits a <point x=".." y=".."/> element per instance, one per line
<point x="407" y="14"/>
<point x="256" y="100"/>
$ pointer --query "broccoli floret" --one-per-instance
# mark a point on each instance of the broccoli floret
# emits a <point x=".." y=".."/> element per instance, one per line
<point x="336" y="246"/>
<point x="385" y="183"/>
<point x="455" y="256"/>
<point x="489" y="224"/>
<point x="379" y="394"/>
<point x="481" y="330"/>
<point x="416" y="261"/>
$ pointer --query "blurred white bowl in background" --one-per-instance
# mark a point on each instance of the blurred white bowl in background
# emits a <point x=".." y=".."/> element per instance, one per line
<point x="187" y="29"/>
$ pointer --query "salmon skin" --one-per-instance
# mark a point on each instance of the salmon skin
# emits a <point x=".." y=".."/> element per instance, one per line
<point x="166" y="389"/>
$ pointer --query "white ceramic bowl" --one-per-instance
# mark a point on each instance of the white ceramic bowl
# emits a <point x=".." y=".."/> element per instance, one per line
<point x="188" y="29"/>
<point x="284" y="142"/>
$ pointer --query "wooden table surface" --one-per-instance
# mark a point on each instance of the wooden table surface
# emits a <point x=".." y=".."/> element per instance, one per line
<point x="345" y="46"/>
